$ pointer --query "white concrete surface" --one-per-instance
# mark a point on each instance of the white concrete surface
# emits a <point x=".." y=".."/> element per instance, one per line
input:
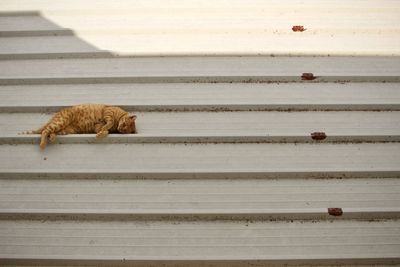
<point x="199" y="69"/>
<point x="357" y="27"/>
<point x="44" y="44"/>
<point x="201" y="160"/>
<point x="107" y="209"/>
<point x="269" y="242"/>
<point x="342" y="126"/>
<point x="204" y="96"/>
<point x="243" y="198"/>
<point x="31" y="36"/>
<point x="29" y="22"/>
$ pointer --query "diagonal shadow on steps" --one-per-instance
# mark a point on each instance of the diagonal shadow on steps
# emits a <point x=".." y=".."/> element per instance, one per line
<point x="29" y="35"/>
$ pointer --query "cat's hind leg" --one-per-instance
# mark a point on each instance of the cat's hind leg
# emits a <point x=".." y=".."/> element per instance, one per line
<point x="43" y="139"/>
<point x="52" y="137"/>
<point x="65" y="131"/>
<point x="52" y="128"/>
<point x="47" y="134"/>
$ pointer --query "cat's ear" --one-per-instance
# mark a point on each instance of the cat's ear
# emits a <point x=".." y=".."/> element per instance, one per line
<point x="133" y="117"/>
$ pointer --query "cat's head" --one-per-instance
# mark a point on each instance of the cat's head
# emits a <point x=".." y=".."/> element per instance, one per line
<point x="127" y="124"/>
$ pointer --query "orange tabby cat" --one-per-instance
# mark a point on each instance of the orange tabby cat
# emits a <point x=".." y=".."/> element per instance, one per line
<point x="87" y="118"/>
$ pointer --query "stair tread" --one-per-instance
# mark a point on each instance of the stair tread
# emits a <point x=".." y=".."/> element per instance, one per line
<point x="175" y="69"/>
<point x="202" y="240"/>
<point x="223" y="160"/>
<point x="203" y="96"/>
<point x="284" y="198"/>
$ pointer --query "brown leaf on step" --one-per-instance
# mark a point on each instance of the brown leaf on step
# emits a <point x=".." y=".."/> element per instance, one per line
<point x="335" y="211"/>
<point x="318" y="136"/>
<point x="308" y="76"/>
<point x="298" y="28"/>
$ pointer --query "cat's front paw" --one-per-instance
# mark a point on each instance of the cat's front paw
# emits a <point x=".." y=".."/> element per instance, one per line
<point x="101" y="134"/>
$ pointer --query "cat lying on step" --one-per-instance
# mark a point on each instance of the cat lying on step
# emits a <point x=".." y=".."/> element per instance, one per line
<point x="87" y="118"/>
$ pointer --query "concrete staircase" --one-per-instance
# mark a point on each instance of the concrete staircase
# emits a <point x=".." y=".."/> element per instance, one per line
<point x="224" y="170"/>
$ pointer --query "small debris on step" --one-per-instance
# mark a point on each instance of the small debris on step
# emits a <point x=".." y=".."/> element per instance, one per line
<point x="318" y="135"/>
<point x="298" y="28"/>
<point x="308" y="76"/>
<point x="335" y="211"/>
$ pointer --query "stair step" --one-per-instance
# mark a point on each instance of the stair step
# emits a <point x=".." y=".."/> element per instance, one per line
<point x="158" y="242"/>
<point x="198" y="138"/>
<point x="204" y="96"/>
<point x="26" y="21"/>
<point x="199" y="199"/>
<point x="26" y="33"/>
<point x="198" y="186"/>
<point x="173" y="127"/>
<point x="199" y="69"/>
<point x="201" y="160"/>
<point x="29" y="25"/>
<point x="257" y="28"/>
<point x="46" y="46"/>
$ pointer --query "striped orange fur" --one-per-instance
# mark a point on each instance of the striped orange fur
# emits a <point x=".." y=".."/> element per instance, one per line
<point x="87" y="118"/>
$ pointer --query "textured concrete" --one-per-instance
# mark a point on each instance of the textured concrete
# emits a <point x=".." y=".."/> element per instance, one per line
<point x="271" y="242"/>
<point x="199" y="69"/>
<point x="334" y="27"/>
<point x="243" y="187"/>
<point x="30" y="22"/>
<point x="242" y="198"/>
<point x="44" y="44"/>
<point x="204" y="96"/>
<point x="227" y="127"/>
<point x="201" y="160"/>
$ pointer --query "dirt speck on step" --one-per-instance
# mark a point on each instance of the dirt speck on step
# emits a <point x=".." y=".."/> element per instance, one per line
<point x="308" y="76"/>
<point x="335" y="211"/>
<point x="298" y="28"/>
<point x="318" y="136"/>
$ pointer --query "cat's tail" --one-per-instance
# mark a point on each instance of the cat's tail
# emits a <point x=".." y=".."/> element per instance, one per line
<point x="38" y="131"/>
